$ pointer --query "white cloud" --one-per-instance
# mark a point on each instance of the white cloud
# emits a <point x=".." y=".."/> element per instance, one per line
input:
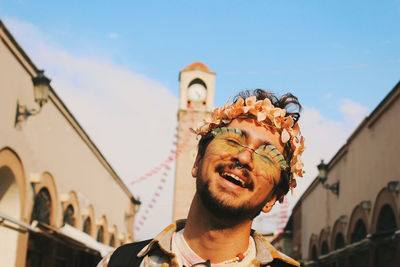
<point x="352" y="112"/>
<point x="130" y="117"/>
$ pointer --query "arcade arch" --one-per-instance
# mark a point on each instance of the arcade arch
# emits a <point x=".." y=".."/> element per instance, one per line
<point x="89" y="223"/>
<point x="71" y="210"/>
<point x="313" y="248"/>
<point x="338" y="233"/>
<point x="323" y="242"/>
<point x="46" y="181"/>
<point x="13" y="202"/>
<point x="102" y="230"/>
<point x="358" y="225"/>
<point x="385" y="213"/>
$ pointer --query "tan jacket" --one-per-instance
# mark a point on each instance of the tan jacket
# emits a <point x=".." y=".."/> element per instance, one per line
<point x="159" y="252"/>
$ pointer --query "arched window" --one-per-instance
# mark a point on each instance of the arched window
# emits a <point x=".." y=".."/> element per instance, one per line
<point x="359" y="232"/>
<point x="69" y="216"/>
<point x="197" y="81"/>
<point x="324" y="248"/>
<point x="42" y="207"/>
<point x="339" y="241"/>
<point x="314" y="254"/>
<point x="386" y="253"/>
<point x="112" y="241"/>
<point x="360" y="259"/>
<point x="87" y="226"/>
<point x="386" y="220"/>
<point x="100" y="234"/>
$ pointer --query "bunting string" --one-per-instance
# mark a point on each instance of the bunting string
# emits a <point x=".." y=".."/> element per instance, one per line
<point x="165" y="165"/>
<point x="174" y="152"/>
<point x="283" y="215"/>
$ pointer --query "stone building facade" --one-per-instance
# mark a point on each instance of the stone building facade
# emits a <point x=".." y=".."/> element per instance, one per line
<point x="350" y="216"/>
<point x="55" y="185"/>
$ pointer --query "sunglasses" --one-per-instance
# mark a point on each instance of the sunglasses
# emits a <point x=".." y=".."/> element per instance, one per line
<point x="233" y="141"/>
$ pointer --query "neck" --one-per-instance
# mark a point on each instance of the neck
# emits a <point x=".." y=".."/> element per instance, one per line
<point x="214" y="238"/>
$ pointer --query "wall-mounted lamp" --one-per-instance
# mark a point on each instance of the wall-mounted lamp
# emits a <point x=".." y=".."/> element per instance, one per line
<point x="365" y="205"/>
<point x="322" y="171"/>
<point x="136" y="202"/>
<point x="323" y="176"/>
<point x="41" y="88"/>
<point x="393" y="186"/>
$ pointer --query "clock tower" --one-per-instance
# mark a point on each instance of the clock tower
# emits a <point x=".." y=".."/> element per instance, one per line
<point x="196" y="101"/>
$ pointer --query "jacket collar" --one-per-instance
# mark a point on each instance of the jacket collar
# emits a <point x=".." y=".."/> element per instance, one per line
<point x="266" y="253"/>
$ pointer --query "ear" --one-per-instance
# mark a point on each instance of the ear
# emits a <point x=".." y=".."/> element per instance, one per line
<point x="268" y="206"/>
<point x="196" y="164"/>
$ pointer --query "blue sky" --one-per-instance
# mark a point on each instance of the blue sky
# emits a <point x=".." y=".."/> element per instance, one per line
<point x="312" y="48"/>
<point x="339" y="57"/>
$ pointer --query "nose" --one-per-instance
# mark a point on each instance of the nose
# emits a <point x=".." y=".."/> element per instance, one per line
<point x="245" y="158"/>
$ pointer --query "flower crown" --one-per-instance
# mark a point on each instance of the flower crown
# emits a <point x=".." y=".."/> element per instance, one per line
<point x="267" y="115"/>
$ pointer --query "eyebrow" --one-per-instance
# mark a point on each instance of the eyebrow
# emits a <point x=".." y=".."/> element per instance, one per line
<point x="222" y="130"/>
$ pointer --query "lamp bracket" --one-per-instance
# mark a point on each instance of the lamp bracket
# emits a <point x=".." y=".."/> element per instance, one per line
<point x="23" y="113"/>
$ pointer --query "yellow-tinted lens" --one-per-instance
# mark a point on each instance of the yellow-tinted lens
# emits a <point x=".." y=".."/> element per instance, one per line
<point x="233" y="141"/>
<point x="228" y="145"/>
<point x="271" y="154"/>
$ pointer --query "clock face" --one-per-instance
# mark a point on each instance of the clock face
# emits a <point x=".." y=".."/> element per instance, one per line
<point x="197" y="92"/>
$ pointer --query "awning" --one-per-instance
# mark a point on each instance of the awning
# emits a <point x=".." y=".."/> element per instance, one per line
<point x="73" y="236"/>
<point x="20" y="226"/>
<point x="85" y="239"/>
<point x="66" y="234"/>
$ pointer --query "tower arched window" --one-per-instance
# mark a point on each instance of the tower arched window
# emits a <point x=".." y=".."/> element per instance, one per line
<point x="198" y="81"/>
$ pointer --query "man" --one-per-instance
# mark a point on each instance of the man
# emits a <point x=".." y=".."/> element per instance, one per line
<point x="248" y="158"/>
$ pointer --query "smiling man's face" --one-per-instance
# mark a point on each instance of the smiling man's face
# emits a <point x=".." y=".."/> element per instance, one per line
<point x="239" y="170"/>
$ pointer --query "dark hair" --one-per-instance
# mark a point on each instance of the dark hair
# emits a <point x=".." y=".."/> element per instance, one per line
<point x="293" y="108"/>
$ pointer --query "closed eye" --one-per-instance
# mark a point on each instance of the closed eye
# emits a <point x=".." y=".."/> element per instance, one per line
<point x="233" y="142"/>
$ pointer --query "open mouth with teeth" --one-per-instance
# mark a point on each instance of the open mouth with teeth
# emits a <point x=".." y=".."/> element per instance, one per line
<point x="233" y="179"/>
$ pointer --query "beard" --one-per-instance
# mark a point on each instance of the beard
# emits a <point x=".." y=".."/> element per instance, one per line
<point x="221" y="209"/>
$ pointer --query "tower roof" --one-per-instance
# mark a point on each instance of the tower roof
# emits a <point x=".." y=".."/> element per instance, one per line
<point x="197" y="66"/>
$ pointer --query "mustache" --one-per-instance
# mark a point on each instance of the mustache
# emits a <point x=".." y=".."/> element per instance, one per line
<point x="223" y="167"/>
